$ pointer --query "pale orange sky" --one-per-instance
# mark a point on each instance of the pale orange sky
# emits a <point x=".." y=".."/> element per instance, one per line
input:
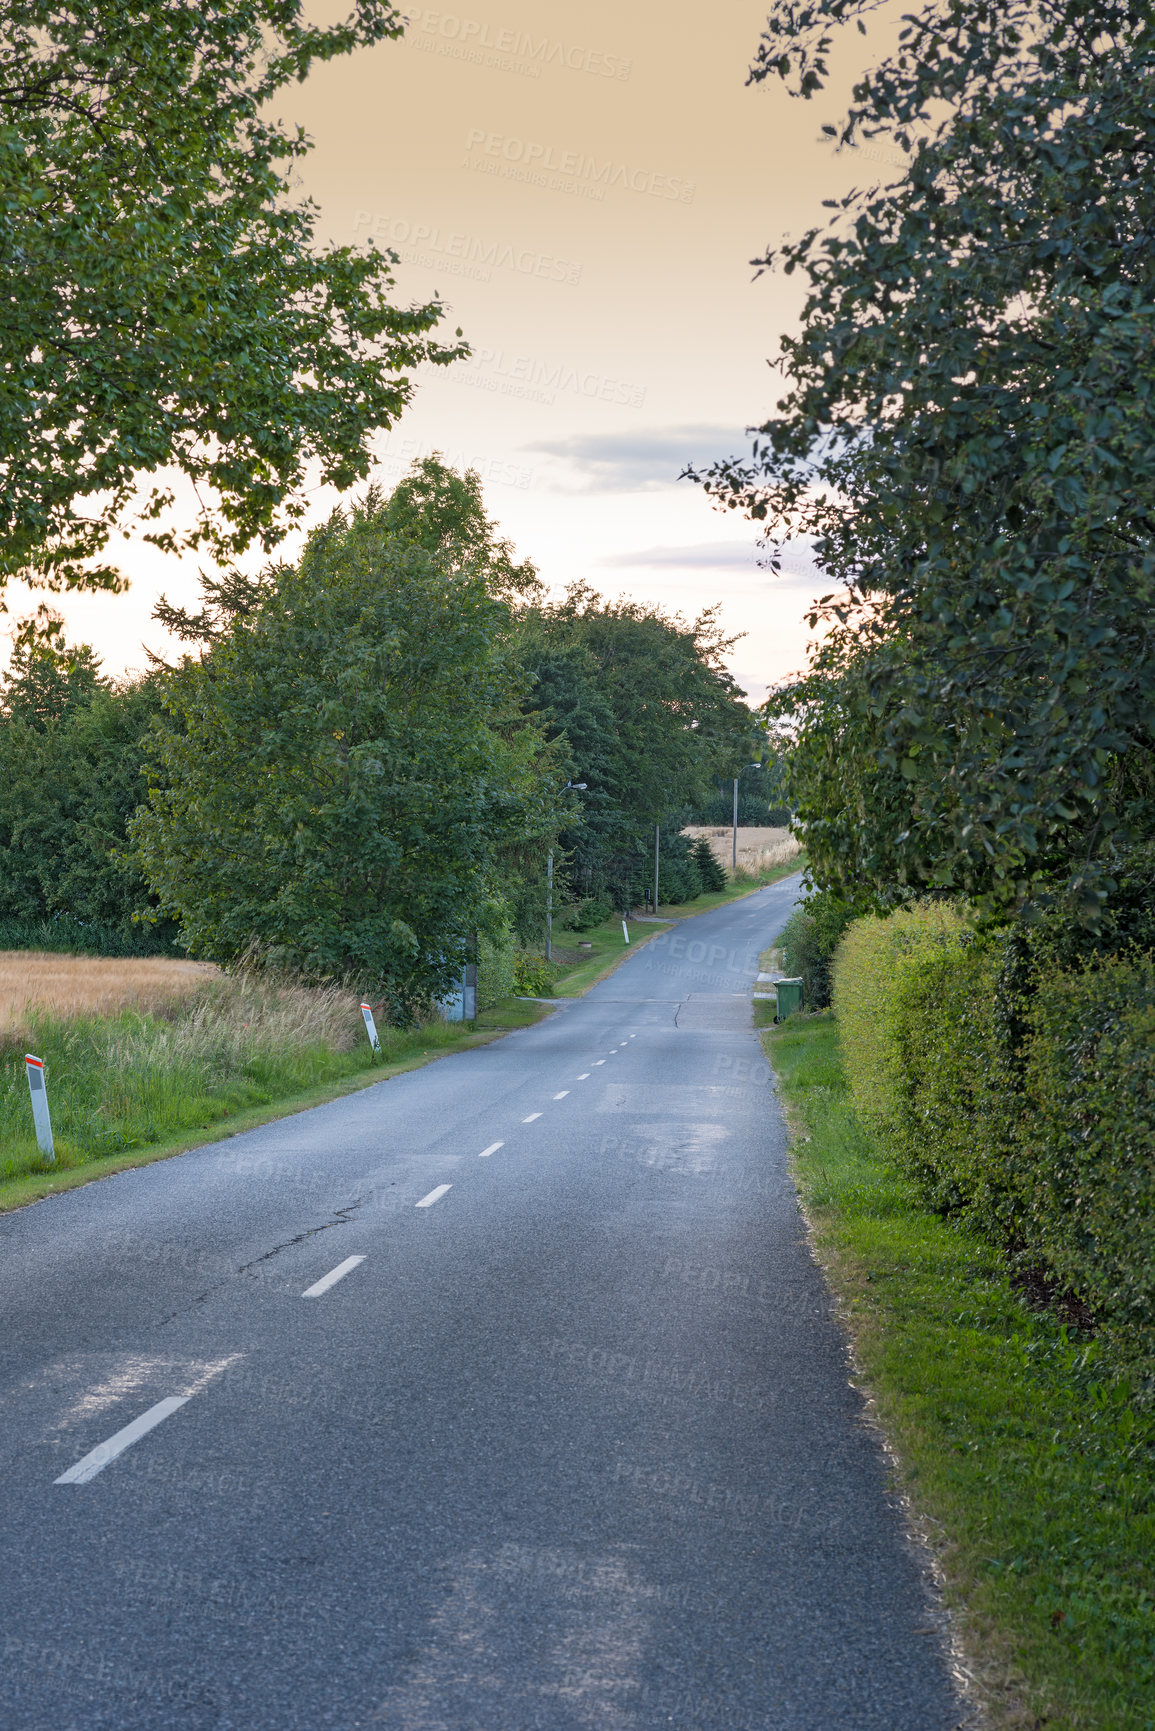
<point x="585" y="191"/>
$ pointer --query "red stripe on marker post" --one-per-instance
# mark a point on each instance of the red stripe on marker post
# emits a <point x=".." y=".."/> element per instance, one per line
<point x="370" y="1027"/>
<point x="40" y="1117"/>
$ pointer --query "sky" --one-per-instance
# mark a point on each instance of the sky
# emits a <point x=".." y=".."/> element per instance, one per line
<point x="584" y="188"/>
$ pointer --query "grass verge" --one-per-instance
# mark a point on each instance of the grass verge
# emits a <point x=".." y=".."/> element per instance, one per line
<point x="1030" y="1467"/>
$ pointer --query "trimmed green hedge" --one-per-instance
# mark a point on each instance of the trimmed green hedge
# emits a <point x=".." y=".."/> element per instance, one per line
<point x="1024" y="1100"/>
<point x="1087" y="1138"/>
<point x="875" y="964"/>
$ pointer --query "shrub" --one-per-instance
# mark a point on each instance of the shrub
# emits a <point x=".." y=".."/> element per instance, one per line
<point x="872" y="966"/>
<point x="591" y="911"/>
<point x="533" y="976"/>
<point x="1086" y="1155"/>
<point x="1028" y="1108"/>
<point x="496" y="978"/>
<point x="957" y="1102"/>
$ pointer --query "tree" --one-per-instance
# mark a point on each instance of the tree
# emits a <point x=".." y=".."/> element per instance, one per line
<point x="967" y="434"/>
<point x="645" y="711"/>
<point x="711" y="872"/>
<point x="167" y="305"/>
<point x="71" y="776"/>
<point x="349" y="772"/>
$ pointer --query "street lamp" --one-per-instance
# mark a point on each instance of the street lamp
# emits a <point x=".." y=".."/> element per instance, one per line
<point x="736" y="779"/>
<point x="580" y="786"/>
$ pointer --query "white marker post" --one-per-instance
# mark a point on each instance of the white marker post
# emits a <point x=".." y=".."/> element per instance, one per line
<point x="371" y="1027"/>
<point x="625" y="931"/>
<point x="39" y="1093"/>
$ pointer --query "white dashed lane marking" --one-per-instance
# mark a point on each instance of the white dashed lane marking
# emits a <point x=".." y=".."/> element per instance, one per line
<point x="98" y="1458"/>
<point x="562" y="1095"/>
<point x="434" y="1196"/>
<point x="333" y="1276"/>
<point x="492" y="1149"/>
<point x="584" y="1077"/>
<point x="531" y="1117"/>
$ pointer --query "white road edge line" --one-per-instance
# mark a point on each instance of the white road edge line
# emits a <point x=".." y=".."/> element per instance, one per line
<point x="562" y="1095"/>
<point x="333" y="1276"/>
<point x="98" y="1458"/>
<point x="531" y="1117"/>
<point x="492" y="1149"/>
<point x="434" y="1196"/>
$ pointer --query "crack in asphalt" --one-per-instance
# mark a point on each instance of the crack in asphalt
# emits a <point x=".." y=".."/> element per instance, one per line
<point x="339" y="1218"/>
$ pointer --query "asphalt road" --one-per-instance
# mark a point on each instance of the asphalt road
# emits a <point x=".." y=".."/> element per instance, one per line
<point x="572" y="1446"/>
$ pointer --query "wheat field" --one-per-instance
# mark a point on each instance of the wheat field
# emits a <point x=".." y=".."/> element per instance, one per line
<point x="758" y="849"/>
<point x="80" y="985"/>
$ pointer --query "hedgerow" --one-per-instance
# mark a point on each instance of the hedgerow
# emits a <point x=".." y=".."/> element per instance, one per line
<point x="1017" y="1093"/>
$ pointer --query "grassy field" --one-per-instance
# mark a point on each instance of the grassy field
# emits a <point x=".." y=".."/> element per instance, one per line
<point x="71" y="985"/>
<point x="1030" y="1470"/>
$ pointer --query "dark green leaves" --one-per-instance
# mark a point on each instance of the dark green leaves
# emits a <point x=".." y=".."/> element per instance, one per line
<point x="165" y="304"/>
<point x="968" y="438"/>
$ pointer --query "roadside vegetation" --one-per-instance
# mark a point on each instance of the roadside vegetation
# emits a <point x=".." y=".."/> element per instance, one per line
<point x="1026" y="1457"/>
<point x="964" y="437"/>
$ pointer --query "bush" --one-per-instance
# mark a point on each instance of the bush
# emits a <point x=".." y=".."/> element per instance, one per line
<point x="809" y="940"/>
<point x="1029" y="1110"/>
<point x="1086" y="1149"/>
<point x="591" y="911"/>
<point x="954" y="1115"/>
<point x="872" y="966"/>
<point x="496" y="976"/>
<point x="533" y="976"/>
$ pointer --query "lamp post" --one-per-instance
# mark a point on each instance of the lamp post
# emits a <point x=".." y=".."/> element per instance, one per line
<point x="581" y="787"/>
<point x="736" y="780"/>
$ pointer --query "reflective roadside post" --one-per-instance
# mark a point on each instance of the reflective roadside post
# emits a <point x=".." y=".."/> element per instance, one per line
<point x="39" y="1093"/>
<point x="370" y="1027"/>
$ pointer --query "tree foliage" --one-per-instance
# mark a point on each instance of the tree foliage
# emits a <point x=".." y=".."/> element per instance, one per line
<point x="968" y="436"/>
<point x="71" y="775"/>
<point x="166" y="305"/>
<point x="645" y="713"/>
<point x="349" y="773"/>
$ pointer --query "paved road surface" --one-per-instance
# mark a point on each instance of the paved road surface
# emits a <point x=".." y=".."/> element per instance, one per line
<point x="572" y="1447"/>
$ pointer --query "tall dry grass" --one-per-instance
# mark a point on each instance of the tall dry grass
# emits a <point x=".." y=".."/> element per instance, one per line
<point x="77" y="985"/>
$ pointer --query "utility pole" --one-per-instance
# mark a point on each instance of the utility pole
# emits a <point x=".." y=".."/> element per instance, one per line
<point x="735" y="823"/>
<point x="549" y="908"/>
<point x="657" y="848"/>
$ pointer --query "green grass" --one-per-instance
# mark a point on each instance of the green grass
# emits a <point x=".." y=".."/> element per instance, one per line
<point x="582" y="969"/>
<point x="1032" y="1469"/>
